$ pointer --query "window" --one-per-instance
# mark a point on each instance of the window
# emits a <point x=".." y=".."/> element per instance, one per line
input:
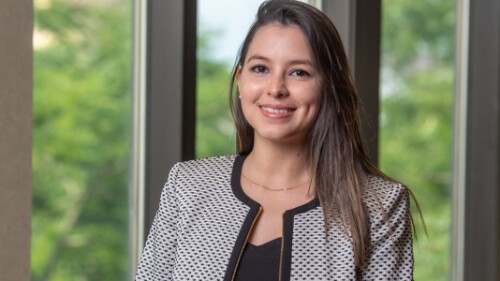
<point x="416" y="126"/>
<point x="81" y="140"/>
<point x="219" y="37"/>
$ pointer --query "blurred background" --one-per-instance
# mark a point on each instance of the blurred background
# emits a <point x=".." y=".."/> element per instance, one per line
<point x="82" y="124"/>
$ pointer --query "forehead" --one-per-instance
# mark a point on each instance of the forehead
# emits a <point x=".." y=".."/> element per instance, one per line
<point x="278" y="39"/>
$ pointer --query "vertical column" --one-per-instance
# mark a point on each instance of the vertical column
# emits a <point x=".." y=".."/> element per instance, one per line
<point x="358" y="22"/>
<point x="482" y="144"/>
<point x="16" y="28"/>
<point x="171" y="80"/>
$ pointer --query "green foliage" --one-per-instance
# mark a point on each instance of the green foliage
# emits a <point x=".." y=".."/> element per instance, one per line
<point x="81" y="128"/>
<point x="414" y="28"/>
<point x="215" y="133"/>
<point x="416" y="117"/>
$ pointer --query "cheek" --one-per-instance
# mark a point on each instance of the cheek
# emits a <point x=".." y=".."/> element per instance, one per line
<point x="247" y="102"/>
<point x="249" y="91"/>
<point x="311" y="95"/>
<point x="248" y="111"/>
<point x="315" y="102"/>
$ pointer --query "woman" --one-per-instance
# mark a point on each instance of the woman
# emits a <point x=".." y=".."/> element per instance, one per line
<point x="301" y="200"/>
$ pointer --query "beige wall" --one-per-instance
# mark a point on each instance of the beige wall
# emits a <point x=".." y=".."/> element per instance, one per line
<point x="16" y="20"/>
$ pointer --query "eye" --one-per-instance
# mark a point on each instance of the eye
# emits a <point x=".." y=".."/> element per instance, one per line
<point x="259" y="69"/>
<point x="300" y="72"/>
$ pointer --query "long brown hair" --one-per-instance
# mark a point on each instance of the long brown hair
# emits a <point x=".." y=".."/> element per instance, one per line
<point x="336" y="150"/>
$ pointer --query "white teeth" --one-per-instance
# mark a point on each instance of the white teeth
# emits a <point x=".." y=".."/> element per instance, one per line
<point x="274" y="110"/>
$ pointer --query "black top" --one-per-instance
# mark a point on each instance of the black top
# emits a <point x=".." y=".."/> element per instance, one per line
<point x="260" y="262"/>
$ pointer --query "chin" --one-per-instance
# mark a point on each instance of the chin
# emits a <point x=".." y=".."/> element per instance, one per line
<point x="282" y="137"/>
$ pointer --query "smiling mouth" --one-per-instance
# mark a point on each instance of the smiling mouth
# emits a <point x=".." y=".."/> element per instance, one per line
<point x="276" y="110"/>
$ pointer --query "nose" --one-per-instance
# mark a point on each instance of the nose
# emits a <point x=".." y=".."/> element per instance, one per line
<point x="277" y="87"/>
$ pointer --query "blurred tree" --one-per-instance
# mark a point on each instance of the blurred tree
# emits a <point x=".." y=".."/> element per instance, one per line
<point x="418" y="48"/>
<point x="215" y="134"/>
<point x="81" y="132"/>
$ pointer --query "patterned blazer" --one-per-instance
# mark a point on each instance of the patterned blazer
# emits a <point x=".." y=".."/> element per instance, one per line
<point x="204" y="218"/>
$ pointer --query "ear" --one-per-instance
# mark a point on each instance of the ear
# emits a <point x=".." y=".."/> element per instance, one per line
<point x="238" y="72"/>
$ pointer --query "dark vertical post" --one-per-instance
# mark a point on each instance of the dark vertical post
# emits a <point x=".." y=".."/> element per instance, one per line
<point x="171" y="80"/>
<point x="359" y="24"/>
<point x="482" y="170"/>
<point x="16" y="74"/>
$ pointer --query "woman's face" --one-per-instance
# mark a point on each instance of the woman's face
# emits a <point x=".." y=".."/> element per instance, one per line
<point x="279" y="85"/>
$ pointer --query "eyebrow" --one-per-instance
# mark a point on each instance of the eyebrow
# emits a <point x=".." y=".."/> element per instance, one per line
<point x="293" y="62"/>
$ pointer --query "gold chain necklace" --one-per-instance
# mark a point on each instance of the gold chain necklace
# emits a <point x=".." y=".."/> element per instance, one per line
<point x="275" y="189"/>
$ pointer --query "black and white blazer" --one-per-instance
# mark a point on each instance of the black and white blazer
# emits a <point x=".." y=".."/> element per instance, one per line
<point x="204" y="219"/>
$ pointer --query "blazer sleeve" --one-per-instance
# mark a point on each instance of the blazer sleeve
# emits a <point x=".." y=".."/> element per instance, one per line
<point x="391" y="251"/>
<point x="158" y="257"/>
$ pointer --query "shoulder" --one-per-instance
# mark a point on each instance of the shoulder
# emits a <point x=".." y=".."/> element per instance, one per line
<point x="201" y="174"/>
<point x="205" y="166"/>
<point x="384" y="193"/>
<point x="388" y="204"/>
<point x="390" y="246"/>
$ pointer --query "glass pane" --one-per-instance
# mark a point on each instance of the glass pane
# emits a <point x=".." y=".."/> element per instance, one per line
<point x="81" y="139"/>
<point x="219" y="37"/>
<point x="417" y="78"/>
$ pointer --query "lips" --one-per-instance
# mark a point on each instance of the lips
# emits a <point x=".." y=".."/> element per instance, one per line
<point x="276" y="111"/>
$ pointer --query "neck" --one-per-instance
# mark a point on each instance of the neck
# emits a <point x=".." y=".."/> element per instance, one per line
<point x="278" y="164"/>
